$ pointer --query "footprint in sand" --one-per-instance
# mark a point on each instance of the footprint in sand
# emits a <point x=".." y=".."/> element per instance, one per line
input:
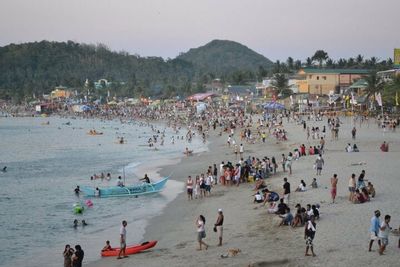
<point x="181" y="245"/>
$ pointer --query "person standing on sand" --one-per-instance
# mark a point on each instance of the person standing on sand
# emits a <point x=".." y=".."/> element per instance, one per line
<point x="283" y="162"/>
<point x="68" y="252"/>
<point x="219" y="226"/>
<point x="241" y="150"/>
<point x="374" y="229"/>
<point x="334" y="181"/>
<point x="286" y="190"/>
<point x="309" y="234"/>
<point x="352" y="186"/>
<point x="201" y="231"/>
<point x="353" y="133"/>
<point x="122" y="233"/>
<point x="189" y="187"/>
<point x="383" y="234"/>
<point x="77" y="258"/>
<point x="319" y="162"/>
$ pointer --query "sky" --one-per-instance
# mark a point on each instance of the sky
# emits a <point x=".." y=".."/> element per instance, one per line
<point x="274" y="28"/>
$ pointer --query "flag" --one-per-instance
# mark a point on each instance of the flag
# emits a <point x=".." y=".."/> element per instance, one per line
<point x="397" y="99"/>
<point x="378" y="99"/>
<point x="353" y="99"/>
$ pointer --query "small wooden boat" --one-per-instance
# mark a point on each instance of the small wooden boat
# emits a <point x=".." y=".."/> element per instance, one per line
<point x="129" y="249"/>
<point x="123" y="191"/>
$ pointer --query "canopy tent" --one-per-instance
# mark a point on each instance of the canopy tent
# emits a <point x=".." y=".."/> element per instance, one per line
<point x="200" y="96"/>
<point x="273" y="105"/>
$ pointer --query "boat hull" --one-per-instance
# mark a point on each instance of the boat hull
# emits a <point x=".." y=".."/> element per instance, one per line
<point x="134" y="190"/>
<point x="129" y="249"/>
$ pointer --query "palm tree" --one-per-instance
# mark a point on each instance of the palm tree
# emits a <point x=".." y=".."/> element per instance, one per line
<point x="281" y="83"/>
<point x="375" y="84"/>
<point x="290" y="62"/>
<point x="320" y="56"/>
<point x="359" y="59"/>
<point x="308" y="62"/>
<point x="329" y="63"/>
<point x="392" y="90"/>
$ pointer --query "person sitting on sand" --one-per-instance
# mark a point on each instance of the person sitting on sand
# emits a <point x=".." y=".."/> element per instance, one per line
<point x="349" y="148"/>
<point x="272" y="208"/>
<point x="107" y="246"/>
<point x="287" y="218"/>
<point x="270" y="196"/>
<point x="385" y="147"/>
<point x="301" y="187"/>
<point x="298" y="219"/>
<point x="355" y="148"/>
<point x="371" y="189"/>
<point x="281" y="207"/>
<point x="258" y="198"/>
<point x="314" y="183"/>
<point x="260" y="184"/>
<point x="364" y="193"/>
<point x="358" y="197"/>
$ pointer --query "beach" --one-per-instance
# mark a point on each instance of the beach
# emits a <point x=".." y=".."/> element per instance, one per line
<point x="342" y="231"/>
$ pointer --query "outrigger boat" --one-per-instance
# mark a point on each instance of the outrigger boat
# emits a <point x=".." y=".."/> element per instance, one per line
<point x="123" y="191"/>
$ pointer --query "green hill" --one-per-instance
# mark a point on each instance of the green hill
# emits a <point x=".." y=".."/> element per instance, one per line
<point x="223" y="57"/>
<point x="36" y="68"/>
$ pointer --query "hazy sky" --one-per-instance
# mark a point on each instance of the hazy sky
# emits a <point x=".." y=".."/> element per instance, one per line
<point x="275" y="28"/>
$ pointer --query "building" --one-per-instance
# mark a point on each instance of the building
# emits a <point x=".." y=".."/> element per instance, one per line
<point x="388" y="75"/>
<point x="60" y="92"/>
<point x="328" y="81"/>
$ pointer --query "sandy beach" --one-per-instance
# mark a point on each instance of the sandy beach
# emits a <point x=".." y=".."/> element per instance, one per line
<point x="342" y="231"/>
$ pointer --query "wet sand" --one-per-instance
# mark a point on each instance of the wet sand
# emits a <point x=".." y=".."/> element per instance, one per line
<point x="342" y="232"/>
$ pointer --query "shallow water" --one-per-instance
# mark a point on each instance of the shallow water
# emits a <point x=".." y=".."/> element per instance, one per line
<point x="46" y="162"/>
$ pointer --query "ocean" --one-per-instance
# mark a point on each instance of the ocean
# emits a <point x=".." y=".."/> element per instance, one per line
<point x="45" y="162"/>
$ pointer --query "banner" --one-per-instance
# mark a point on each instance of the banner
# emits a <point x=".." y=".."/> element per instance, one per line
<point x="378" y="99"/>
<point x="397" y="99"/>
<point x="396" y="61"/>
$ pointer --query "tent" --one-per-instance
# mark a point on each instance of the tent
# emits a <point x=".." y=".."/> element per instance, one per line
<point x="273" y="105"/>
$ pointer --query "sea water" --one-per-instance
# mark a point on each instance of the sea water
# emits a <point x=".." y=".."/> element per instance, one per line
<point x="45" y="162"/>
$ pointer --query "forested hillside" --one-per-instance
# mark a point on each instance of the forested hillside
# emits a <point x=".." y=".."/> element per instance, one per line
<point x="35" y="68"/>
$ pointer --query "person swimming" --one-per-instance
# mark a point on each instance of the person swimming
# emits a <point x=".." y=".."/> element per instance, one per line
<point x="75" y="223"/>
<point x="84" y="223"/>
<point x="4" y="169"/>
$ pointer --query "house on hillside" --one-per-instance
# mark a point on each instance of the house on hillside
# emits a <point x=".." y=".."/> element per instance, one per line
<point x="60" y="92"/>
<point x="328" y="81"/>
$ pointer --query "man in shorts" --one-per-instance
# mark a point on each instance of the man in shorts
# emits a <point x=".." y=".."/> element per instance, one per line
<point x="309" y="234"/>
<point x="189" y="187"/>
<point x="286" y="190"/>
<point x="122" y="234"/>
<point x="374" y="229"/>
<point x="383" y="234"/>
<point x="219" y="226"/>
<point x="334" y="181"/>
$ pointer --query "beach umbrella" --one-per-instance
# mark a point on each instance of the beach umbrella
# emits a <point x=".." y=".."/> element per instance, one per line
<point x="273" y="105"/>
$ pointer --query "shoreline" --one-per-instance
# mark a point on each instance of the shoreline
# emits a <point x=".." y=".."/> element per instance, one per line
<point x="248" y="226"/>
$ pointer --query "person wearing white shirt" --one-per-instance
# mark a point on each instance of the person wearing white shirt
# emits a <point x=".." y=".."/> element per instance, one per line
<point x="383" y="234"/>
<point x="122" y="233"/>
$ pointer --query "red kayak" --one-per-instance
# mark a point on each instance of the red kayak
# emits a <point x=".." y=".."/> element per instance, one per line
<point x="130" y="249"/>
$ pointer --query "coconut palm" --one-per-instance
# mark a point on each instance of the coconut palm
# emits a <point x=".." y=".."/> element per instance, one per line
<point x="320" y="56"/>
<point x="359" y="60"/>
<point x="281" y="83"/>
<point x="375" y="84"/>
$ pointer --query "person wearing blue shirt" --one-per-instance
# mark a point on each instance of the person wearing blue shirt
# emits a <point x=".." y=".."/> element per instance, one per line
<point x="374" y="229"/>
